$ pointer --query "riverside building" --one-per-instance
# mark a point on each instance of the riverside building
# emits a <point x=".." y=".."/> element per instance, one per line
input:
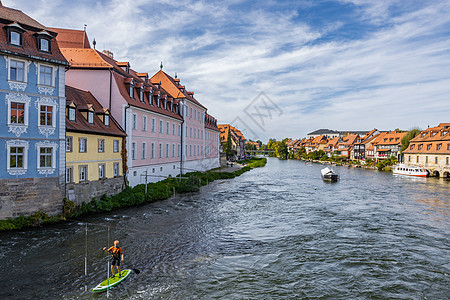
<point x="32" y="134"/>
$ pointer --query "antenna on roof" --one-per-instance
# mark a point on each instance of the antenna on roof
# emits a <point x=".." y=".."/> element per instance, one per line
<point x="161" y="66"/>
<point x="94" y="43"/>
<point x="85" y="25"/>
<point x="175" y="75"/>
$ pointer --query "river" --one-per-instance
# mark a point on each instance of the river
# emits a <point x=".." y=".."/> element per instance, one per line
<point x="277" y="232"/>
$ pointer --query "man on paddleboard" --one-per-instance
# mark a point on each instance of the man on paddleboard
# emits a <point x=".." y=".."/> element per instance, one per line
<point x="117" y="257"/>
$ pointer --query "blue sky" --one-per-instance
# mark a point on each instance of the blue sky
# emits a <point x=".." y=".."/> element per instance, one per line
<point x="343" y="64"/>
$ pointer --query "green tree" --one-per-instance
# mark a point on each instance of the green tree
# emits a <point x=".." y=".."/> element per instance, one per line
<point x="281" y="149"/>
<point x="412" y="133"/>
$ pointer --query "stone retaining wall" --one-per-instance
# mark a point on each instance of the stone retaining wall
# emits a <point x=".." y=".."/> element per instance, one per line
<point x="26" y="196"/>
<point x="85" y="191"/>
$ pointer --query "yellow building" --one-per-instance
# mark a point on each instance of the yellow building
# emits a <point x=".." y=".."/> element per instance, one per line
<point x="94" y="149"/>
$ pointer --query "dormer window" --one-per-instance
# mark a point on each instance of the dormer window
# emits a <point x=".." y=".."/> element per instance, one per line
<point x="159" y="100"/>
<point x="165" y="103"/>
<point x="15" y="38"/>
<point x="131" y="90"/>
<point x="106" y="120"/>
<point x="141" y="94"/>
<point x="420" y="147"/>
<point x="44" y="45"/>
<point x="71" y="114"/>
<point x="90" y="118"/>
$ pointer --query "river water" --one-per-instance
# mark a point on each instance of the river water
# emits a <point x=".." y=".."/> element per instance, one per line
<point x="277" y="232"/>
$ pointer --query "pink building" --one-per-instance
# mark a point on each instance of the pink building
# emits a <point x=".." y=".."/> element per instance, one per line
<point x="200" y="131"/>
<point x="165" y="130"/>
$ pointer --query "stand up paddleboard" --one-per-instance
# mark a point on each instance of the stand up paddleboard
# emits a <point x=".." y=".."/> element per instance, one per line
<point x="112" y="281"/>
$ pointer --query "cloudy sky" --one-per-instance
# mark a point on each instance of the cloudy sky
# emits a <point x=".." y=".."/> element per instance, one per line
<point x="282" y="68"/>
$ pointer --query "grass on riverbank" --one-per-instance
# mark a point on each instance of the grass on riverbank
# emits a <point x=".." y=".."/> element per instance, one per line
<point x="190" y="182"/>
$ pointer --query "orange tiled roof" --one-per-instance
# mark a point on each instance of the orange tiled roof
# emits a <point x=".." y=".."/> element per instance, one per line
<point x="435" y="140"/>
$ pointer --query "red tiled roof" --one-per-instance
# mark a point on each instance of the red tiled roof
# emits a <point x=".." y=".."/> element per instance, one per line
<point x="15" y="15"/>
<point x="84" y="99"/>
<point x="173" y="87"/>
<point x="124" y="91"/>
<point x="29" y="42"/>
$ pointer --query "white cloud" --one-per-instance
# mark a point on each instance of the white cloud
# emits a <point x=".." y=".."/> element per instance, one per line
<point x="395" y="76"/>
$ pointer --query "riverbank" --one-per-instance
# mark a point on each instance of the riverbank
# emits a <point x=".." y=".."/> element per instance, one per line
<point x="138" y="195"/>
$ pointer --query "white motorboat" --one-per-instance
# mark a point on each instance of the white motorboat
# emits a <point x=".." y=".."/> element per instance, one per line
<point x="410" y="170"/>
<point x="329" y="175"/>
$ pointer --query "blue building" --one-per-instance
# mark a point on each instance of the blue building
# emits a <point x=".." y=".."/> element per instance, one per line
<point x="32" y="117"/>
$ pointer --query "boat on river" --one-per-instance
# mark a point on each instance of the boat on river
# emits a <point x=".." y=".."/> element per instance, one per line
<point x="401" y="169"/>
<point x="329" y="175"/>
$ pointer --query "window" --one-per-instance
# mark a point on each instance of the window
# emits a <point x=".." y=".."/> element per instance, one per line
<point x="173" y="129"/>
<point x="194" y="151"/>
<point x="426" y="159"/>
<point x="90" y="117"/>
<point x="16" y="157"/>
<point x="46" y="113"/>
<point x="101" y="145"/>
<point x="134" y="120"/>
<point x="417" y="159"/>
<point x="69" y="144"/>
<point x="448" y="146"/>
<point x="195" y="114"/>
<point x="71" y="114"/>
<point x="144" y="150"/>
<point x="116" y="169"/>
<point x="412" y="147"/>
<point x="409" y="158"/>
<point x="446" y="160"/>
<point x="45" y="75"/>
<point x="16" y="70"/>
<point x="69" y="175"/>
<point x="131" y="90"/>
<point x="167" y="150"/>
<point x="179" y="130"/>
<point x="82" y="144"/>
<point x="438" y="147"/>
<point x="106" y="120"/>
<point x="173" y="150"/>
<point x="15" y="38"/>
<point x="141" y="95"/>
<point x="144" y="123"/>
<point x="167" y="128"/>
<point x="179" y="150"/>
<point x="116" y="146"/>
<point x="160" y="150"/>
<point x="160" y="126"/>
<point x="17" y="113"/>
<point x="133" y="150"/>
<point x="191" y="113"/>
<point x="190" y="150"/>
<point x="101" y="171"/>
<point x="83" y="173"/>
<point x="153" y="150"/>
<point x="435" y="159"/>
<point x="195" y="133"/>
<point x="45" y="157"/>
<point x="428" y="146"/>
<point x="420" y="147"/>
<point x="190" y="131"/>
<point x="44" y="45"/>
<point x="153" y="124"/>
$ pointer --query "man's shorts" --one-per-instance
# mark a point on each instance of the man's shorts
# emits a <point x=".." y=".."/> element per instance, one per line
<point x="115" y="261"/>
